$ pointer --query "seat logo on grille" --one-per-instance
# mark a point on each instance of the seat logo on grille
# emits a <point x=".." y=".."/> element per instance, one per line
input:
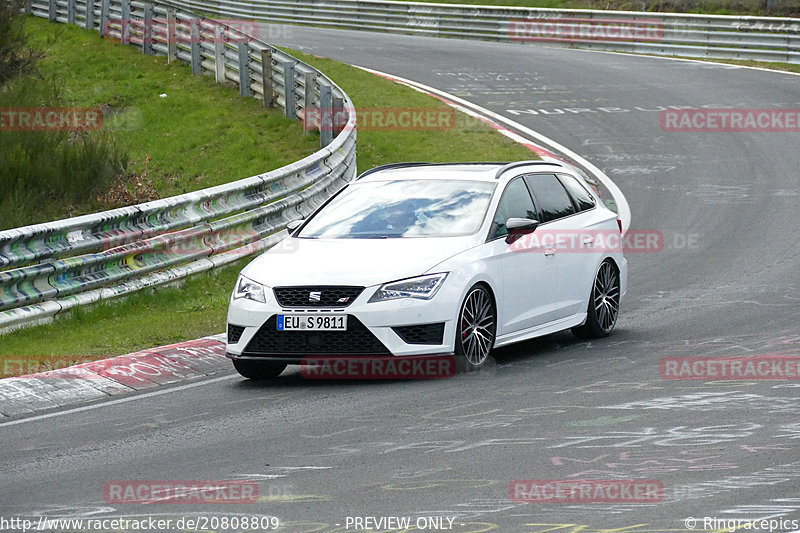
<point x="314" y="296"/>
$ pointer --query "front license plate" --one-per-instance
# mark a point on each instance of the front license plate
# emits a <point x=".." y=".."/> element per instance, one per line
<point x="312" y="323"/>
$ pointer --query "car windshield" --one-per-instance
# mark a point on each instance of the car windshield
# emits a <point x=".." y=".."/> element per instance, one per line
<point x="402" y="208"/>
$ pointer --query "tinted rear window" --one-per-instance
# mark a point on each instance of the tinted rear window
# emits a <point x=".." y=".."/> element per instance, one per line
<point x="578" y="192"/>
<point x="551" y="197"/>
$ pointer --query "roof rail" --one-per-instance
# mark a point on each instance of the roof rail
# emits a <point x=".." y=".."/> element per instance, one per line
<point x="424" y="164"/>
<point x="509" y="166"/>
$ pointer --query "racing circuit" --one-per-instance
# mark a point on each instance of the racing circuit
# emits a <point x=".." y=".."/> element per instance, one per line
<point x="726" y="283"/>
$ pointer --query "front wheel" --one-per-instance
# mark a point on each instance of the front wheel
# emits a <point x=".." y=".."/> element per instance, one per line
<point x="475" y="331"/>
<point x="601" y="315"/>
<point x="258" y="369"/>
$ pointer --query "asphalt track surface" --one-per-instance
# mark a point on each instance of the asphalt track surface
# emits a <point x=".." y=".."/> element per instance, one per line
<point x="726" y="283"/>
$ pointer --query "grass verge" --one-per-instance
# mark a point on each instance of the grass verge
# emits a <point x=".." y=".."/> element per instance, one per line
<point x="198" y="308"/>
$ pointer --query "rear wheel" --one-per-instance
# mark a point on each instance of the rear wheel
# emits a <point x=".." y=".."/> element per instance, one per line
<point x="475" y="331"/>
<point x="258" y="369"/>
<point x="601" y="315"/>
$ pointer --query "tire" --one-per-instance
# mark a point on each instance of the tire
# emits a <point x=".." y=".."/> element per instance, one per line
<point x="258" y="370"/>
<point x="603" y="309"/>
<point x="475" y="328"/>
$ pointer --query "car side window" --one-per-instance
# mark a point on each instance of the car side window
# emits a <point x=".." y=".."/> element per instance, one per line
<point x="516" y="202"/>
<point x="551" y="196"/>
<point x="580" y="196"/>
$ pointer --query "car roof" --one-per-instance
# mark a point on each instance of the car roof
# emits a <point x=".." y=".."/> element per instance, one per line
<point x="479" y="171"/>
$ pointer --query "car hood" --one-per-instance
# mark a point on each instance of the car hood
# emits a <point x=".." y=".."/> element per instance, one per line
<point x="362" y="262"/>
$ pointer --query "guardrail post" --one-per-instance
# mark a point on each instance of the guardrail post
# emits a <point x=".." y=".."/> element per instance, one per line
<point x="268" y="91"/>
<point x="52" y="10"/>
<point x="89" y="22"/>
<point x="197" y="66"/>
<point x="219" y="52"/>
<point x="147" y="38"/>
<point x="338" y="114"/>
<point x="325" y="114"/>
<point x="104" y="7"/>
<point x="172" y="43"/>
<point x="29" y="7"/>
<point x="244" y="68"/>
<point x="125" y="23"/>
<point x="70" y="11"/>
<point x="309" y="90"/>
<point x="288" y="89"/>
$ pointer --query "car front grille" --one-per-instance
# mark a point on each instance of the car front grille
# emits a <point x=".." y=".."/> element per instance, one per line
<point x="421" y="333"/>
<point x="357" y="340"/>
<point x="234" y="333"/>
<point x="317" y="296"/>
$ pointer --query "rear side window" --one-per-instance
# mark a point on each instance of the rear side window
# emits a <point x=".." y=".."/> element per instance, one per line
<point x="551" y="197"/>
<point x="583" y="200"/>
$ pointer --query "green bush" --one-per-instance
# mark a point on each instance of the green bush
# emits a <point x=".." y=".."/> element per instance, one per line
<point x="15" y="56"/>
<point x="44" y="174"/>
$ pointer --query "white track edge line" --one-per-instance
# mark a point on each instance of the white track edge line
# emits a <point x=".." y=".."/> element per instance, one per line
<point x="720" y="63"/>
<point x="118" y="401"/>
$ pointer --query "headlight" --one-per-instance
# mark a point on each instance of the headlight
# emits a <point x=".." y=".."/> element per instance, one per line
<point x="249" y="289"/>
<point x="422" y="287"/>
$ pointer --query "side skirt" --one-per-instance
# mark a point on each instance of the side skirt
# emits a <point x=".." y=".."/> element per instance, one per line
<point x="543" y="329"/>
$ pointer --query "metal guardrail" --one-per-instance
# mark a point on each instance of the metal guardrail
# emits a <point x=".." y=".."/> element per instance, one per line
<point x="48" y="268"/>
<point x="701" y="36"/>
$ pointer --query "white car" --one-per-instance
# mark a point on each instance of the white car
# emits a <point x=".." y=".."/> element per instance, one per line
<point x="419" y="259"/>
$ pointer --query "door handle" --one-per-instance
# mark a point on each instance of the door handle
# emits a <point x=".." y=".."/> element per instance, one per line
<point x="588" y="241"/>
<point x="550" y="251"/>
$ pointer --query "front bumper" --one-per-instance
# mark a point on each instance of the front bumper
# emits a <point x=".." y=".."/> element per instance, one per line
<point x="402" y="327"/>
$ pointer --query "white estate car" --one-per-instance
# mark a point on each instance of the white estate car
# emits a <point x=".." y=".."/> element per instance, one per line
<point x="417" y="259"/>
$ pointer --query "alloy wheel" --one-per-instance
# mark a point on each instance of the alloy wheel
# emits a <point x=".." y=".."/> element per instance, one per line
<point x="477" y="325"/>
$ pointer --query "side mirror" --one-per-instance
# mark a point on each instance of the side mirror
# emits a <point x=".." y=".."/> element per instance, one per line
<point x="294" y="224"/>
<point x="517" y="227"/>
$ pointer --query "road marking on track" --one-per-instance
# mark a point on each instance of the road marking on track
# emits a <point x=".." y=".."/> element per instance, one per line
<point x="687" y="60"/>
<point x="119" y="401"/>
